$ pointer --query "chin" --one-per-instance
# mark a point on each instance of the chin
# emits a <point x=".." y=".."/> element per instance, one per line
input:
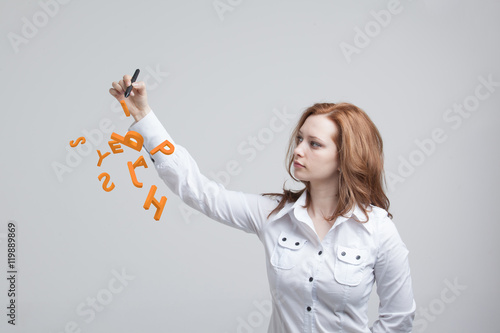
<point x="297" y="176"/>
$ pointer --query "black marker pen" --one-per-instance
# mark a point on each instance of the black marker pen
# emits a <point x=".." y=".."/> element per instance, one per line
<point x="129" y="88"/>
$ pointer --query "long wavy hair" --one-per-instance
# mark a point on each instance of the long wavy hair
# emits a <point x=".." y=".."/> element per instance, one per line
<point x="361" y="159"/>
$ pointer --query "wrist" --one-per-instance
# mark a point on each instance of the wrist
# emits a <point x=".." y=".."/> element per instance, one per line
<point x="142" y="113"/>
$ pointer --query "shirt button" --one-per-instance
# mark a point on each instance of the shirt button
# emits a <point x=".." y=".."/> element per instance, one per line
<point x="309" y="308"/>
<point x="358" y="257"/>
<point x="320" y="252"/>
<point x="311" y="279"/>
<point x="343" y="253"/>
<point x="297" y="243"/>
<point x="283" y="239"/>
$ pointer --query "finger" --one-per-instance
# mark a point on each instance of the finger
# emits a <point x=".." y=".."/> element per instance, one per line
<point x="127" y="79"/>
<point x="139" y="87"/>
<point x="122" y="84"/>
<point x="117" y="87"/>
<point x="113" y="92"/>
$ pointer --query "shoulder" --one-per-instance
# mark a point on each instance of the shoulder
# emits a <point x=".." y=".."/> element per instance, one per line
<point x="383" y="226"/>
<point x="268" y="202"/>
<point x="271" y="199"/>
<point x="278" y="205"/>
<point x="385" y="232"/>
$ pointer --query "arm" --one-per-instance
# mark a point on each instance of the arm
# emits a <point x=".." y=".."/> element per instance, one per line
<point x="394" y="288"/>
<point x="180" y="172"/>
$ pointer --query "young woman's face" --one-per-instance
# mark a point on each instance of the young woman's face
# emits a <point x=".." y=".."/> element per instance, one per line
<point x="316" y="155"/>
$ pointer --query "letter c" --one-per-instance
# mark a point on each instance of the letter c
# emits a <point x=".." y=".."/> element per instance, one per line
<point x="272" y="124"/>
<point x="112" y="288"/>
<point x="479" y="95"/>
<point x="445" y="298"/>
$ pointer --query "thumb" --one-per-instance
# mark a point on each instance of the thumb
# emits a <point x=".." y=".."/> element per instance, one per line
<point x="139" y="87"/>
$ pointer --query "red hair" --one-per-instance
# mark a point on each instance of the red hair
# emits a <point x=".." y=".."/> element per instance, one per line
<point x="361" y="159"/>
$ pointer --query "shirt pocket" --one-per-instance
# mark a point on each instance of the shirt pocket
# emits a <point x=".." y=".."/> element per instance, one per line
<point x="287" y="250"/>
<point x="350" y="265"/>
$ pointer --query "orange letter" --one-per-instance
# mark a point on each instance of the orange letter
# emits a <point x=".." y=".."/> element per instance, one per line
<point x="73" y="144"/>
<point x="106" y="181"/>
<point x="131" y="168"/>
<point x="101" y="157"/>
<point x="161" y="147"/>
<point x="159" y="205"/>
<point x="115" y="147"/>
<point x="140" y="162"/>
<point x="137" y="145"/>
<point x="125" y="108"/>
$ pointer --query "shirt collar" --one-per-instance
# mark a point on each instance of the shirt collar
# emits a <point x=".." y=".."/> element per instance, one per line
<point x="301" y="214"/>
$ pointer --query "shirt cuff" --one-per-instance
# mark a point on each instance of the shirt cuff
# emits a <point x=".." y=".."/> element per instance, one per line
<point x="154" y="134"/>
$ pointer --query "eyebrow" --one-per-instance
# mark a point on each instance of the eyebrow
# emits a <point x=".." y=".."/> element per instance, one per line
<point x="311" y="136"/>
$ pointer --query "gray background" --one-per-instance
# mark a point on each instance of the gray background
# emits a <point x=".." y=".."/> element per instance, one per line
<point x="222" y="77"/>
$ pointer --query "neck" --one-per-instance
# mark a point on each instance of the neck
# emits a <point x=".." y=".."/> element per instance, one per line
<point x="324" y="198"/>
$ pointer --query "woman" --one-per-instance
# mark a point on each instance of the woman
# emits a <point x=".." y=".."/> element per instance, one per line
<point x="325" y="245"/>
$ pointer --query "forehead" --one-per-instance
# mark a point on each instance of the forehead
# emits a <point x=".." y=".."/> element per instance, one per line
<point x="320" y="126"/>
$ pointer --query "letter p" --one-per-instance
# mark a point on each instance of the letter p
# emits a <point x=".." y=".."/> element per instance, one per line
<point x="161" y="147"/>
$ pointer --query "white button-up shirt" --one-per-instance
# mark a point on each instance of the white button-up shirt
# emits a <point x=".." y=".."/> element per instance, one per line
<point x="316" y="286"/>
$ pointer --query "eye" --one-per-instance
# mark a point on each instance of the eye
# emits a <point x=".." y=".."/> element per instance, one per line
<point x="314" y="144"/>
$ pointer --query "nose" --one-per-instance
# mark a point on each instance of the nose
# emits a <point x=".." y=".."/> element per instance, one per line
<point x="298" y="150"/>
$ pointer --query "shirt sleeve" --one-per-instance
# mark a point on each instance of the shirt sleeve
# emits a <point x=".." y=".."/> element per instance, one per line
<point x="394" y="287"/>
<point x="179" y="171"/>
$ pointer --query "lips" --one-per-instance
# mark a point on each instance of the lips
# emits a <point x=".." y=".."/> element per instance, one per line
<point x="297" y="165"/>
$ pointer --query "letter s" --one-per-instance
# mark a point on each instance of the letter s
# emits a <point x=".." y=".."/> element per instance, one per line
<point x="449" y="119"/>
<point x="80" y="139"/>
<point x="80" y="312"/>
<point x="250" y="151"/>
<point x="419" y="325"/>
<point x="106" y="181"/>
